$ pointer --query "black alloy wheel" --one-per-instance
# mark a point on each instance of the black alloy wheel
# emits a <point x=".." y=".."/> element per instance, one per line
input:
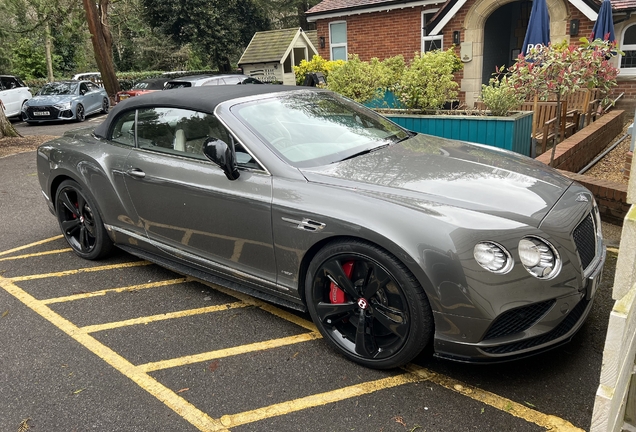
<point x="105" y="106"/>
<point x="80" y="115"/>
<point x="81" y="222"/>
<point x="381" y="318"/>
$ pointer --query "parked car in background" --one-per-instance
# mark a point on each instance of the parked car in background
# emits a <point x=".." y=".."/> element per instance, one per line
<point x="393" y="241"/>
<point x="207" y="80"/>
<point x="13" y="94"/>
<point x="65" y="100"/>
<point x="88" y="76"/>
<point x="142" y="87"/>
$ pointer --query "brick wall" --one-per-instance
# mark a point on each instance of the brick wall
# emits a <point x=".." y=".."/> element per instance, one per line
<point x="573" y="153"/>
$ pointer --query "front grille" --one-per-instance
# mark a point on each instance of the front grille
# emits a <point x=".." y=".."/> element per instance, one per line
<point x="585" y="241"/>
<point x="53" y="112"/>
<point x="519" y="319"/>
<point x="564" y="326"/>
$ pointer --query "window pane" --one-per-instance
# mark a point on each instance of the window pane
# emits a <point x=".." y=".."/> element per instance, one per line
<point x="339" y="53"/>
<point x="434" y="44"/>
<point x="339" y="33"/>
<point x="628" y="60"/>
<point x="124" y="130"/>
<point x="630" y="36"/>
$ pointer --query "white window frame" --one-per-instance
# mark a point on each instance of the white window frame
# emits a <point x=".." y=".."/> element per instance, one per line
<point x="338" y="45"/>
<point x="426" y="38"/>
<point x="630" y="47"/>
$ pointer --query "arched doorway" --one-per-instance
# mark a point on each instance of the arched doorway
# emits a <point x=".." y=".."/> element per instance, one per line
<point x="485" y="53"/>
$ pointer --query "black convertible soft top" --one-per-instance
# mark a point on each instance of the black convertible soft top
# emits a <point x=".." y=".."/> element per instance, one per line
<point x="204" y="99"/>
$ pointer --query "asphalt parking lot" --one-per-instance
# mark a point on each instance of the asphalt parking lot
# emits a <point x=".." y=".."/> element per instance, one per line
<point x="124" y="345"/>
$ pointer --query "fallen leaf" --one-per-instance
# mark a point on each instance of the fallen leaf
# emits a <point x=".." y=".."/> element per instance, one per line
<point x="5" y="313"/>
<point x="529" y="404"/>
<point x="79" y="391"/>
<point x="183" y="390"/>
<point x="213" y="366"/>
<point x="294" y="356"/>
<point x="482" y="410"/>
<point x="399" y="420"/>
<point x="24" y="425"/>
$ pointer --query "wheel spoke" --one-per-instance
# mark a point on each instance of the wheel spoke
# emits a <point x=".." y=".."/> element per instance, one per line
<point x="333" y="268"/>
<point x="69" y="204"/>
<point x="70" y="226"/>
<point x="331" y="311"/>
<point x="84" y="239"/>
<point x="365" y="343"/>
<point x="391" y="318"/>
<point x="375" y="279"/>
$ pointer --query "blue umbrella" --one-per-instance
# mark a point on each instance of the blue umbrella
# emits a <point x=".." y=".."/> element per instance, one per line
<point x="538" y="32"/>
<point x="604" y="24"/>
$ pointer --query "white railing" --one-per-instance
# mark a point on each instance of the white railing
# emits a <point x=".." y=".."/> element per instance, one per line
<point x="615" y="404"/>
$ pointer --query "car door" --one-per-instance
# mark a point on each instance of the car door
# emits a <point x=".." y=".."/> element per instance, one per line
<point x="93" y="97"/>
<point x="187" y="205"/>
<point x="10" y="96"/>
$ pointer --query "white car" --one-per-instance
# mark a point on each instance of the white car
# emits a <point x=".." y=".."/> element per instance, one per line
<point x="13" y="94"/>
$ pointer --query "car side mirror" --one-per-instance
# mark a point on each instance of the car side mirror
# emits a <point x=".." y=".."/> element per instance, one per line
<point x="222" y="155"/>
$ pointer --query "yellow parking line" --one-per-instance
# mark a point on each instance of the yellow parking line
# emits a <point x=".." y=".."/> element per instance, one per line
<point x="549" y="422"/>
<point x="179" y="405"/>
<point x="114" y="290"/>
<point x="228" y="352"/>
<point x="37" y="243"/>
<point x="316" y="400"/>
<point x="162" y="317"/>
<point x="82" y="270"/>
<point x="37" y="254"/>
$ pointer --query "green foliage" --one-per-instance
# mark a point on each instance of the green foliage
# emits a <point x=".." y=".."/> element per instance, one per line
<point x="358" y="80"/>
<point x="391" y="71"/>
<point x="500" y="97"/>
<point x="563" y="69"/>
<point x="316" y="64"/>
<point x="429" y="82"/>
<point x="28" y="59"/>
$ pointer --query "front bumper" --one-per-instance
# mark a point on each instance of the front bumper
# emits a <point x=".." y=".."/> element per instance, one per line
<point x="46" y="113"/>
<point x="557" y="326"/>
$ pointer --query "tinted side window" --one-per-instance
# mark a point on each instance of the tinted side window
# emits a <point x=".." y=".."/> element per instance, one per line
<point x="124" y="129"/>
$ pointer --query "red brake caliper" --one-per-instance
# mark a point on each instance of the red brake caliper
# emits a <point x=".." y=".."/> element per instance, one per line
<point x="336" y="295"/>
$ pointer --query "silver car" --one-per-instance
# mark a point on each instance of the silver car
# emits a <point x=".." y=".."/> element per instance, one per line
<point x="393" y="241"/>
<point x="66" y="100"/>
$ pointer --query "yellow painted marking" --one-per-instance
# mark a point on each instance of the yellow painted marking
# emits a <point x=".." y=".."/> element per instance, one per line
<point x="162" y="317"/>
<point x="315" y="400"/>
<point x="37" y="243"/>
<point x="57" y="251"/>
<point x="82" y="270"/>
<point x="549" y="422"/>
<point x="228" y="352"/>
<point x="183" y="408"/>
<point x="262" y="305"/>
<point x="114" y="290"/>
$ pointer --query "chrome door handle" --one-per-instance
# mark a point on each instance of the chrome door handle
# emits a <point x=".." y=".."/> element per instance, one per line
<point x="136" y="172"/>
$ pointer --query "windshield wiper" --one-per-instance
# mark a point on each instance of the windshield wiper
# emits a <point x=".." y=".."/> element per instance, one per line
<point x="363" y="152"/>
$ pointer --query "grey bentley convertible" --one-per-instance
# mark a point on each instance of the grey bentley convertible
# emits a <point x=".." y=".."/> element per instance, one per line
<point x="393" y="241"/>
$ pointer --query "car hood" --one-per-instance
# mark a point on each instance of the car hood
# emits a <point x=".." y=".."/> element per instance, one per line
<point x="439" y="171"/>
<point x="50" y="99"/>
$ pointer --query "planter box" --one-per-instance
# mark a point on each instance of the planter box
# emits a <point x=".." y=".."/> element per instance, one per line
<point x="510" y="133"/>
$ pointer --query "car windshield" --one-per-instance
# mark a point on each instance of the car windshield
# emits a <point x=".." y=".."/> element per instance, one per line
<point x="177" y="84"/>
<point x="60" y="88"/>
<point x="317" y="128"/>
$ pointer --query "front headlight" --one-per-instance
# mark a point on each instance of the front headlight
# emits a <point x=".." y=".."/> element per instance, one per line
<point x="493" y="257"/>
<point x="63" y="106"/>
<point x="539" y="257"/>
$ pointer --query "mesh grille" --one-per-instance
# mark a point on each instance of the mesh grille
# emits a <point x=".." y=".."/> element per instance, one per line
<point x="565" y="326"/>
<point x="585" y="240"/>
<point x="517" y="320"/>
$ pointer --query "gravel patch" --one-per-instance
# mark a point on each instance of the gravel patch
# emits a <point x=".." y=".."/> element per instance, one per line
<point x="13" y="145"/>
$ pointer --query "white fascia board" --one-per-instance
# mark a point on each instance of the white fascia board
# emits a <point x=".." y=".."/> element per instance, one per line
<point x="450" y="14"/>
<point x="387" y="8"/>
<point x="585" y="9"/>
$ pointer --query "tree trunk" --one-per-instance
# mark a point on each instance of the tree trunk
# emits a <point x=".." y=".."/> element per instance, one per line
<point x="47" y="49"/>
<point x="97" y="19"/>
<point x="6" y="128"/>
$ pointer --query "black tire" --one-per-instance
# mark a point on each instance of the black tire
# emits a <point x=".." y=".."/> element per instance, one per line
<point x="80" y="114"/>
<point x="21" y="116"/>
<point x="397" y="318"/>
<point x="81" y="222"/>
<point x="105" y="105"/>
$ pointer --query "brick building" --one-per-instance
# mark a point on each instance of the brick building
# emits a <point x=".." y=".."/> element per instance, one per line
<point x="485" y="33"/>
